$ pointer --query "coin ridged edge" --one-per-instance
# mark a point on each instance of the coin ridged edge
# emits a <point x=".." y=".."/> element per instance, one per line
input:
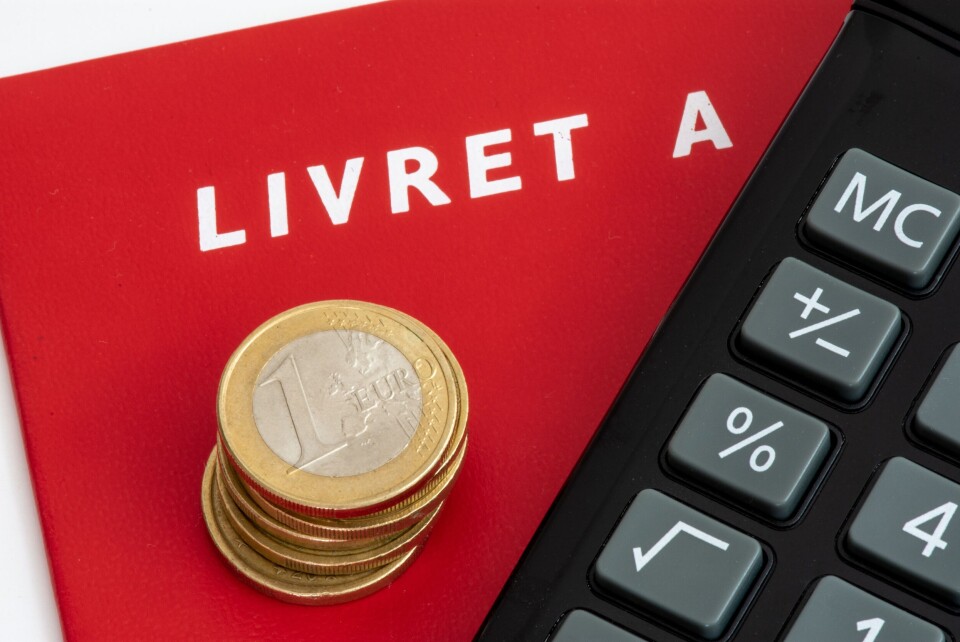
<point x="318" y="562"/>
<point x="241" y="496"/>
<point x="379" y="524"/>
<point x="252" y="567"/>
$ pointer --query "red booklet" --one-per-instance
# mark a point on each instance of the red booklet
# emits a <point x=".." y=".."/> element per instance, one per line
<point x="531" y="180"/>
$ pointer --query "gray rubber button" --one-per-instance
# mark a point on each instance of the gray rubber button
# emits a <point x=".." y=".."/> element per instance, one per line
<point x="680" y="565"/>
<point x="890" y="221"/>
<point x="582" y="626"/>
<point x="909" y="528"/>
<point x="820" y="330"/>
<point x="938" y="418"/>
<point x="750" y="446"/>
<point x="841" y="612"/>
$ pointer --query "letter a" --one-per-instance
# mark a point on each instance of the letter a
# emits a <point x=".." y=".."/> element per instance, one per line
<point x="699" y="104"/>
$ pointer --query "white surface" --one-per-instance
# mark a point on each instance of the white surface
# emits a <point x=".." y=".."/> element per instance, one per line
<point x="27" y="608"/>
<point x="39" y="34"/>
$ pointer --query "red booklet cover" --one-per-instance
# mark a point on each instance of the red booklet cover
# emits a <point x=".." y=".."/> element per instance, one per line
<point x="531" y="180"/>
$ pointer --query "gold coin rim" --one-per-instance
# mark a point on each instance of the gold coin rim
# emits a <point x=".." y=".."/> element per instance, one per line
<point x="323" y="563"/>
<point x="343" y="531"/>
<point x="458" y="442"/>
<point x="241" y="496"/>
<point x="394" y="517"/>
<point x="285" y="584"/>
<point x="312" y="494"/>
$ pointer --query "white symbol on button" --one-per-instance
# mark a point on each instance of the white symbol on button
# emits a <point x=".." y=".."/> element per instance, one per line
<point x="812" y="303"/>
<point x="640" y="558"/>
<point x="872" y="627"/>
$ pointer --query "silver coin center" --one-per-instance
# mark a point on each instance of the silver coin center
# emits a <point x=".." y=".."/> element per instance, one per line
<point x="337" y="403"/>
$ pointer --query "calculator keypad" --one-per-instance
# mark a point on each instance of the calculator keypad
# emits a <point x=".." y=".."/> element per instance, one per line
<point x="750" y="446"/>
<point x="820" y="330"/>
<point x="889" y="221"/>
<point x="840" y="612"/>
<point x="685" y="567"/>
<point x="909" y="528"/>
<point x="689" y="572"/>
<point x="764" y="454"/>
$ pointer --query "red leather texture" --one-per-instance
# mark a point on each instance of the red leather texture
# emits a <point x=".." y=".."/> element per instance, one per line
<point x="118" y="325"/>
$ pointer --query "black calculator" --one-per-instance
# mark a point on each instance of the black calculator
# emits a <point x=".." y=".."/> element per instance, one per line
<point x="783" y="464"/>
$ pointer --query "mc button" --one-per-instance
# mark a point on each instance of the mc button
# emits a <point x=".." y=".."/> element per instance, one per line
<point x="885" y="219"/>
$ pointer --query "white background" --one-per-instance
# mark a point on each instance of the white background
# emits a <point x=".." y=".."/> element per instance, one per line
<point x="39" y="34"/>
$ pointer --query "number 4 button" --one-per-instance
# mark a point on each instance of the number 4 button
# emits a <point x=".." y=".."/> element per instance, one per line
<point x="908" y="528"/>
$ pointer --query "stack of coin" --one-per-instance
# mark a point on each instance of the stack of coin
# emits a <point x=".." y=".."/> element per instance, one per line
<point x="342" y="427"/>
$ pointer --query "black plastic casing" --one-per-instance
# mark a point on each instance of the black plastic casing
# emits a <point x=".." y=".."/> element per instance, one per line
<point x="890" y="85"/>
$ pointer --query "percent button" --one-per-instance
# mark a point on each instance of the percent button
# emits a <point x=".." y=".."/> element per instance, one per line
<point x="749" y="446"/>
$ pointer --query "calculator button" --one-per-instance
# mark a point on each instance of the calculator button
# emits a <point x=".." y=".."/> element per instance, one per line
<point x="824" y="332"/>
<point x="750" y="446"/>
<point x="583" y="626"/>
<point x="890" y="221"/>
<point x="840" y="612"/>
<point x="938" y="418"/>
<point x="908" y="527"/>
<point x="679" y="564"/>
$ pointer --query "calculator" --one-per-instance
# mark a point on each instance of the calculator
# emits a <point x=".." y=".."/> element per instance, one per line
<point x="783" y="464"/>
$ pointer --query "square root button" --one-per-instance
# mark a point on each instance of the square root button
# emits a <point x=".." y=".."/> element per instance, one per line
<point x="889" y="221"/>
<point x="819" y="330"/>
<point x="688" y="569"/>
